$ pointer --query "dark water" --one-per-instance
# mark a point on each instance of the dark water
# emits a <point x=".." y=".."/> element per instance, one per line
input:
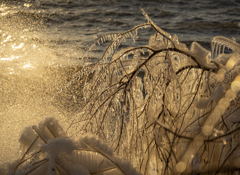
<point x="68" y="26"/>
<point x="42" y="41"/>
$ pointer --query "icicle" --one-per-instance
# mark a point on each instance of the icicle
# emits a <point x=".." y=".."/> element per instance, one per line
<point x="219" y="49"/>
<point x="216" y="50"/>
<point x="223" y="48"/>
<point x="213" y="47"/>
<point x="228" y="42"/>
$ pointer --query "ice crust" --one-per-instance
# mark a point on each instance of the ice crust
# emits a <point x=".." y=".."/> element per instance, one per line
<point x="63" y="155"/>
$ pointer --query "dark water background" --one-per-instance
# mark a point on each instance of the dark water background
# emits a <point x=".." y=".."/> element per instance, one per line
<point x="68" y="26"/>
<point x="41" y="43"/>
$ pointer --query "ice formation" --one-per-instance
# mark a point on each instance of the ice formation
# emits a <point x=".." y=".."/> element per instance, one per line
<point x="49" y="151"/>
<point x="164" y="108"/>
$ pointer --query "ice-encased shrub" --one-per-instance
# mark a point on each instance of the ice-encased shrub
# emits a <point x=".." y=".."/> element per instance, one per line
<point x="46" y="149"/>
<point x="166" y="108"/>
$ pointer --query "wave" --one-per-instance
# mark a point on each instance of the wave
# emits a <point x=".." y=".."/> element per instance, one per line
<point x="27" y="17"/>
<point x="219" y="26"/>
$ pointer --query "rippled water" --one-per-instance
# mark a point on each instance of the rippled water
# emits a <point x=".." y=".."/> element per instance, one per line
<point x="41" y="43"/>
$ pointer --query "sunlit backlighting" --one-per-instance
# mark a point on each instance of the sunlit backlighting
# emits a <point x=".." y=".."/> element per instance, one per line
<point x="235" y="86"/>
<point x="9" y="59"/>
<point x="27" y="66"/>
<point x="7" y="39"/>
<point x="17" y="47"/>
<point x="10" y="70"/>
<point x="27" y="5"/>
<point x="232" y="61"/>
<point x="230" y="64"/>
<point x="221" y="74"/>
<point x="3" y="14"/>
<point x="3" y="8"/>
<point x="230" y="94"/>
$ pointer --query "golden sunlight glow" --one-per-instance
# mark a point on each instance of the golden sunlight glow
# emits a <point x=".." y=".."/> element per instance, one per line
<point x="17" y="47"/>
<point x="3" y="8"/>
<point x="11" y="71"/>
<point x="230" y="64"/>
<point x="220" y="108"/>
<point x="230" y="94"/>
<point x="27" y="5"/>
<point x="221" y="74"/>
<point x="232" y="61"/>
<point x="3" y="14"/>
<point x="235" y="86"/>
<point x="29" y="65"/>
<point x="9" y="59"/>
<point x="224" y="102"/>
<point x="7" y="39"/>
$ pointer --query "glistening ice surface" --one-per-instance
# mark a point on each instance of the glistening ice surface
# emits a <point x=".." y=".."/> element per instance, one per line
<point x="42" y="42"/>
